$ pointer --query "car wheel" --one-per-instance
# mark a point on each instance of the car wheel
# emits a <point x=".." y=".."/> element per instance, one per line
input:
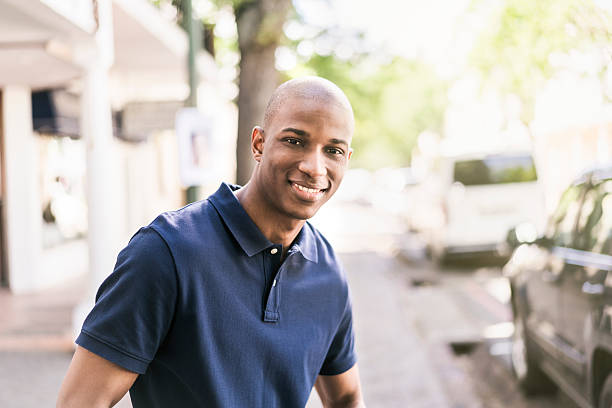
<point x="605" y="397"/>
<point x="526" y="370"/>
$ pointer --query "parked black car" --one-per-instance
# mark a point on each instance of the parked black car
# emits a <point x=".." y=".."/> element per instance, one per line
<point x="562" y="297"/>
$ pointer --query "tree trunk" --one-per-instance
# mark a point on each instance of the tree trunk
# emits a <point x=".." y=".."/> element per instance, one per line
<point x="260" y="28"/>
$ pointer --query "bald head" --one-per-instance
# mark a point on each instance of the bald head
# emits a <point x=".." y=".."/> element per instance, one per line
<point x="310" y="88"/>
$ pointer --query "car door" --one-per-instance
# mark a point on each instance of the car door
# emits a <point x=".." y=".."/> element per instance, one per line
<point x="546" y="271"/>
<point x="584" y="278"/>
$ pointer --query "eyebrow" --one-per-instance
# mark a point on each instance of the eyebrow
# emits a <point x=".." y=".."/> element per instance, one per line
<point x="298" y="132"/>
<point x="303" y="133"/>
<point x="339" y="142"/>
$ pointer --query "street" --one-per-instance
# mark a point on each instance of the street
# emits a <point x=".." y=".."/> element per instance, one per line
<point x="420" y="330"/>
<point x="427" y="336"/>
<point x="449" y="313"/>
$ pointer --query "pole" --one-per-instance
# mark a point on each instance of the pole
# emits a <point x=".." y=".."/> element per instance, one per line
<point x="194" y="33"/>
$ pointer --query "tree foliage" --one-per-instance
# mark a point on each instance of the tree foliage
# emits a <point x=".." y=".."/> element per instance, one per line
<point x="516" y="53"/>
<point x="393" y="104"/>
<point x="260" y="30"/>
<point x="394" y="99"/>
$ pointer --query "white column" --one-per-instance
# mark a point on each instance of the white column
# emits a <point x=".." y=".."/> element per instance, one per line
<point x="96" y="129"/>
<point x="22" y="214"/>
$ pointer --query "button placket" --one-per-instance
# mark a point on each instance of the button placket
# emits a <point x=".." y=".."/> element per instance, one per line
<point x="271" y="307"/>
<point x="274" y="300"/>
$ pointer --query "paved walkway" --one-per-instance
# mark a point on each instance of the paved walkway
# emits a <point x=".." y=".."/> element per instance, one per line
<point x="39" y="321"/>
<point x="394" y="362"/>
<point x="36" y="345"/>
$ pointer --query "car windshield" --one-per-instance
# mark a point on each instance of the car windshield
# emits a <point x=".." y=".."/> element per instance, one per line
<point x="496" y="169"/>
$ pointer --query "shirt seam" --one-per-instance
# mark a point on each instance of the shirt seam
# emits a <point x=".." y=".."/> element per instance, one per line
<point x="177" y="375"/>
<point x="178" y="210"/>
<point x="116" y="348"/>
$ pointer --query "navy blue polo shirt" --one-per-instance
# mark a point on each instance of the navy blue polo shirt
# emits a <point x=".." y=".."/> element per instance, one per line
<point x="200" y="305"/>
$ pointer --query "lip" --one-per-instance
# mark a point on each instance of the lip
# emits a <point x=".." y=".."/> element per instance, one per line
<point x="306" y="192"/>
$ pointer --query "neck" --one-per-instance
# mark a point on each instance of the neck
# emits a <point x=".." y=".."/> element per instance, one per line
<point x="278" y="228"/>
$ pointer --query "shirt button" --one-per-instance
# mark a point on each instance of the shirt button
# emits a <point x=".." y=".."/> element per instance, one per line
<point x="273" y="251"/>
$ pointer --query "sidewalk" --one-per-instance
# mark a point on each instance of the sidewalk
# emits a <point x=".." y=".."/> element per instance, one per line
<point x="396" y="369"/>
<point x="40" y="321"/>
<point x="35" y="344"/>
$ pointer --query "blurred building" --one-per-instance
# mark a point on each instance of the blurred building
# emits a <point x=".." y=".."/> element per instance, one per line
<point x="572" y="129"/>
<point x="89" y="90"/>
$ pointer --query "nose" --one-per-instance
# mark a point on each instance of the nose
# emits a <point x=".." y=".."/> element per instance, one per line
<point x="313" y="164"/>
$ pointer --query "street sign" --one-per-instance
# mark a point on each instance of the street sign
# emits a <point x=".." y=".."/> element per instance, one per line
<point x="198" y="160"/>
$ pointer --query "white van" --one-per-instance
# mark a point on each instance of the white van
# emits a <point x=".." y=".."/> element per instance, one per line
<point x="477" y="198"/>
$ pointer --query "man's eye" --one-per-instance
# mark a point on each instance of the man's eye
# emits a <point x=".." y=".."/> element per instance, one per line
<point x="334" y="150"/>
<point x="293" y="141"/>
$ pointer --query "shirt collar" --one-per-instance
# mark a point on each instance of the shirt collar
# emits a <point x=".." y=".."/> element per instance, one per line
<point x="246" y="232"/>
<point x="306" y="243"/>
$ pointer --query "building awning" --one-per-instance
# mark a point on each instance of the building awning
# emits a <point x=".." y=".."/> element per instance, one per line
<point x="56" y="112"/>
<point x="37" y="41"/>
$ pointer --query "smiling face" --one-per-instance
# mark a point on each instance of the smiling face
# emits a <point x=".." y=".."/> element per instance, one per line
<point x="302" y="154"/>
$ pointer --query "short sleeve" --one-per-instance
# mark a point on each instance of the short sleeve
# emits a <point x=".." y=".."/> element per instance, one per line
<point x="134" y="305"/>
<point x="341" y="354"/>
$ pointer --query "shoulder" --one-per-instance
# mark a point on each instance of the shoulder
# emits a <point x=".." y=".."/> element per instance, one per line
<point x="190" y="220"/>
<point x="145" y="263"/>
<point x="146" y="242"/>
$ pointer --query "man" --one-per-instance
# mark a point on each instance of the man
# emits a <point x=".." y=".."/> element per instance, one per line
<point x="234" y="301"/>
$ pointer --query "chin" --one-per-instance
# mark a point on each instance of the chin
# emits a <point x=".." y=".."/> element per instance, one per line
<point x="303" y="214"/>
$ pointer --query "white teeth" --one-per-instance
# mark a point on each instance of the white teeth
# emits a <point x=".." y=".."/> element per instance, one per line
<point x="308" y="190"/>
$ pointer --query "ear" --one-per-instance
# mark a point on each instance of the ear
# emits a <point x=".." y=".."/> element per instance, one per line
<point x="257" y="143"/>
<point x="350" y="153"/>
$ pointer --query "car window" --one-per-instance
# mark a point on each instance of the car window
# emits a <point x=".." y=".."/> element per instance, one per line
<point x="595" y="223"/>
<point x="604" y="237"/>
<point x="561" y="227"/>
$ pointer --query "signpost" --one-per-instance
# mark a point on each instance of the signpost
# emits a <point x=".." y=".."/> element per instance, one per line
<point x="197" y="147"/>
